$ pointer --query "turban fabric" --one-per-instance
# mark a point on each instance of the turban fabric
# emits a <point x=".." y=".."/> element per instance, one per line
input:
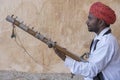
<point x="103" y="12"/>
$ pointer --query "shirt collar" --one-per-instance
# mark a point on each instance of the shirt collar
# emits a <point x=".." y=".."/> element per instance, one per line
<point x="101" y="33"/>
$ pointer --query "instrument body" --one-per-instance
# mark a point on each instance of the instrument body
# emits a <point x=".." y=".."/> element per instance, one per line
<point x="42" y="38"/>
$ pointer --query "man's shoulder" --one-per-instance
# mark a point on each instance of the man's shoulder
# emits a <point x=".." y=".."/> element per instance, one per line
<point x="108" y="39"/>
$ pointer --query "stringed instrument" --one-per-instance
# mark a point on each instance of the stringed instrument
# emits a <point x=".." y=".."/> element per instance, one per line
<point x="50" y="43"/>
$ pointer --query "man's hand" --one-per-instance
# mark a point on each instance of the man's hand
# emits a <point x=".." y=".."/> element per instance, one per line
<point x="60" y="54"/>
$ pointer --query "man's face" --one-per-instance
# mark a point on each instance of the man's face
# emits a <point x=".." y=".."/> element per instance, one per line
<point x="92" y="23"/>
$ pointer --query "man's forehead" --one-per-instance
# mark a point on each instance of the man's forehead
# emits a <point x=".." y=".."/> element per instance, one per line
<point x="91" y="16"/>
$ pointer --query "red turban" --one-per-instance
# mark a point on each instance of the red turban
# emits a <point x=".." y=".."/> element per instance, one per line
<point x="103" y="12"/>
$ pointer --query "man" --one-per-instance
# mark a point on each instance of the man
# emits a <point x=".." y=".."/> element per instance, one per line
<point x="104" y="57"/>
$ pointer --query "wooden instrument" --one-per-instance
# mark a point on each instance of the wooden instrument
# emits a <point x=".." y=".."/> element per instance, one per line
<point x="39" y="36"/>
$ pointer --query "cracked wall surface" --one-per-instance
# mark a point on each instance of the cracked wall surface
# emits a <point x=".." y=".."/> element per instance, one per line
<point x="61" y="20"/>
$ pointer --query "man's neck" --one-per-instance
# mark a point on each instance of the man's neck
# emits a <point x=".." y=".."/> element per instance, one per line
<point x="100" y="29"/>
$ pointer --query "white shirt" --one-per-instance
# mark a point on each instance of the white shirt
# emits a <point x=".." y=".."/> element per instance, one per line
<point x="105" y="58"/>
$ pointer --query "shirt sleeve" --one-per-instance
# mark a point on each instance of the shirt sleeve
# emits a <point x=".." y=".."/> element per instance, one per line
<point x="98" y="60"/>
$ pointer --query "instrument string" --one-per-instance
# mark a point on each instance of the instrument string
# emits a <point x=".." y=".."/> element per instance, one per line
<point x="20" y="44"/>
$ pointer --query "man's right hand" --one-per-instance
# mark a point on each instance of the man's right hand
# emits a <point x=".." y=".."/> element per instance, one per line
<point x="60" y="54"/>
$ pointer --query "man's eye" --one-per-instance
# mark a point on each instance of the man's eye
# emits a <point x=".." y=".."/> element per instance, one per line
<point x="89" y="18"/>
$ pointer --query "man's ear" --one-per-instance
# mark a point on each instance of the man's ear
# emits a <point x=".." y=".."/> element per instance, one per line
<point x="101" y="22"/>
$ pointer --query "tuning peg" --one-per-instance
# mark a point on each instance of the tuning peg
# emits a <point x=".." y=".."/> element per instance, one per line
<point x="12" y="15"/>
<point x="16" y="17"/>
<point x="32" y="27"/>
<point x="19" y="20"/>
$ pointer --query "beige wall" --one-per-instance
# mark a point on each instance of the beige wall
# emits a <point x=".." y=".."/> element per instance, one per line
<point x="61" y="20"/>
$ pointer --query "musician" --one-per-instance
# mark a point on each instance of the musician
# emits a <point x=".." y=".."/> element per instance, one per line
<point x="104" y="57"/>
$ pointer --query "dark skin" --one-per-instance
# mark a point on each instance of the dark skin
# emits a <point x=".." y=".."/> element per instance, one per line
<point x="94" y="25"/>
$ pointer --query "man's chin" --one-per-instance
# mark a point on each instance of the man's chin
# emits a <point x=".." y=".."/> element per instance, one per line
<point x="90" y="30"/>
